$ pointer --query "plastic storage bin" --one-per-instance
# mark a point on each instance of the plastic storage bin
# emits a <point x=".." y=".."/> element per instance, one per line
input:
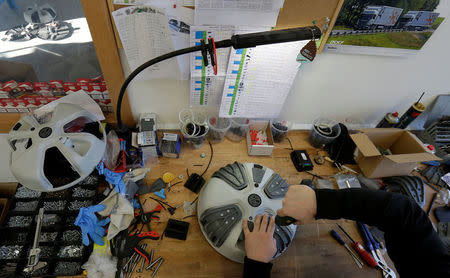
<point x="238" y="129"/>
<point x="218" y="127"/>
<point x="323" y="132"/>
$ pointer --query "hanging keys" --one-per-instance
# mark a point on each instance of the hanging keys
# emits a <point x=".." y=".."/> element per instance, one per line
<point x="308" y="52"/>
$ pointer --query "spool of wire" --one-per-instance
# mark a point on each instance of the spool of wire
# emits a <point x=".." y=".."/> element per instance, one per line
<point x="324" y="131"/>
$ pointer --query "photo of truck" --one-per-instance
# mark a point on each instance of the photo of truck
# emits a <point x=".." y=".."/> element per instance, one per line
<point x="378" y="17"/>
<point x="380" y="26"/>
<point x="417" y="20"/>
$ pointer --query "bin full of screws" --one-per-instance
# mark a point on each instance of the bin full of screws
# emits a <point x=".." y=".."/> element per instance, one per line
<point x="19" y="221"/>
<point x="47" y="236"/>
<point x="77" y="204"/>
<point x="71" y="251"/>
<point x="83" y="192"/>
<point x="67" y="268"/>
<point x="9" y="252"/>
<point x="71" y="235"/>
<point x="24" y="193"/>
<point x="54" y="205"/>
<point x="26" y="206"/>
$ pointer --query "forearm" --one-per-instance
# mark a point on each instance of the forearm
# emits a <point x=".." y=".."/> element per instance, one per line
<point x="254" y="268"/>
<point x="409" y="234"/>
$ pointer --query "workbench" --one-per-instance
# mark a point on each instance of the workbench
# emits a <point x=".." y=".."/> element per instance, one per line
<point x="313" y="252"/>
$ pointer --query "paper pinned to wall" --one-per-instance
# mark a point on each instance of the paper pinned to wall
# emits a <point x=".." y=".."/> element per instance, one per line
<point x="259" y="79"/>
<point x="145" y="34"/>
<point x="206" y="88"/>
<point x="237" y="12"/>
<point x="180" y="21"/>
<point x="154" y="2"/>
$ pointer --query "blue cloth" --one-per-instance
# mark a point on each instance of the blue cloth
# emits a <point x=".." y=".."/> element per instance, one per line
<point x="90" y="225"/>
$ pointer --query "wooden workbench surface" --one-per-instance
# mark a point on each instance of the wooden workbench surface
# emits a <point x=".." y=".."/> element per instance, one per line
<point x="313" y="253"/>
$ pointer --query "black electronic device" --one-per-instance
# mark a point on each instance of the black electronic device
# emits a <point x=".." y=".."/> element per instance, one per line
<point x="301" y="160"/>
<point x="177" y="229"/>
<point x="194" y="183"/>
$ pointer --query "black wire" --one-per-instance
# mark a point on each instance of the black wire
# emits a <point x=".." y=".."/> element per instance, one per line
<point x="133" y="74"/>
<point x="210" y="159"/>
<point x="289" y="140"/>
<point x="196" y="198"/>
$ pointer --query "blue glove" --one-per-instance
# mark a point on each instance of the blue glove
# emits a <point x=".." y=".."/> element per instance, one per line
<point x="90" y="225"/>
<point x="115" y="179"/>
<point x="136" y="204"/>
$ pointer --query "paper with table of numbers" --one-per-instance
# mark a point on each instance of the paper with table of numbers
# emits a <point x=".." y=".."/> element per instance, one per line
<point x="145" y="34"/>
<point x="259" y="79"/>
<point x="237" y="12"/>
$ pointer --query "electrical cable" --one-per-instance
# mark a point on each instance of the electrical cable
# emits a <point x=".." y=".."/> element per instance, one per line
<point x="210" y="159"/>
<point x="237" y="41"/>
<point x="133" y="74"/>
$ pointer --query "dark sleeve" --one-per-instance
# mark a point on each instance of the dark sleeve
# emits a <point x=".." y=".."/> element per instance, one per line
<point x="411" y="242"/>
<point x="256" y="269"/>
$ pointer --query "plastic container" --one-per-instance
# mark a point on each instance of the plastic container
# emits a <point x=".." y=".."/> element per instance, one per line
<point x="238" y="129"/>
<point x="280" y="129"/>
<point x="186" y="115"/>
<point x="194" y="135"/>
<point x="324" y="131"/>
<point x="218" y="128"/>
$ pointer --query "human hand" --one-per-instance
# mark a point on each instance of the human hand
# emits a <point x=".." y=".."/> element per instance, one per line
<point x="299" y="203"/>
<point x="259" y="243"/>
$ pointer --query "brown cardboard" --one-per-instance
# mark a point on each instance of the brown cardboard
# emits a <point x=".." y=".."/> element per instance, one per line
<point x="260" y="149"/>
<point x="407" y="150"/>
<point x="4" y="206"/>
<point x="7" y="189"/>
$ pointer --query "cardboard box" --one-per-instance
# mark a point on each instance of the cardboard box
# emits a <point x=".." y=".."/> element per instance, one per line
<point x="407" y="151"/>
<point x="4" y="207"/>
<point x="260" y="149"/>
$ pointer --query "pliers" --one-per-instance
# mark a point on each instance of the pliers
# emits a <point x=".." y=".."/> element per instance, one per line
<point x="374" y="248"/>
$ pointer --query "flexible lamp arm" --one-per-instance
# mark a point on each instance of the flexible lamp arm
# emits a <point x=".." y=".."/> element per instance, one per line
<point x="236" y="41"/>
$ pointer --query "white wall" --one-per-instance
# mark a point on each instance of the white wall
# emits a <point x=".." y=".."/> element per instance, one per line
<point x="356" y="89"/>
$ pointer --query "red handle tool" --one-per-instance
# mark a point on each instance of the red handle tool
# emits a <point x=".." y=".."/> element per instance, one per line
<point x="359" y="248"/>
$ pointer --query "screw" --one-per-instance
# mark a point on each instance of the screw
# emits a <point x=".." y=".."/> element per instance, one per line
<point x="153" y="263"/>
<point x="202" y="155"/>
<point x="156" y="270"/>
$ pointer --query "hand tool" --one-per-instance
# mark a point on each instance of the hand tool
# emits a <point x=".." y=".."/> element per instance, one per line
<point x="373" y="246"/>
<point x="338" y="238"/>
<point x="284" y="220"/>
<point x="359" y="248"/>
<point x="33" y="257"/>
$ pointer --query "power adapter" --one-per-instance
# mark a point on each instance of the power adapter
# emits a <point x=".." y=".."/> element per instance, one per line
<point x="301" y="160"/>
<point x="195" y="182"/>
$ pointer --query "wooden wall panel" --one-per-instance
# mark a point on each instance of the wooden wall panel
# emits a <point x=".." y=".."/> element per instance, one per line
<point x="101" y="26"/>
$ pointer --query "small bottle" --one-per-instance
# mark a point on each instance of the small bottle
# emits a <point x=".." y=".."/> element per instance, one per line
<point x="390" y="120"/>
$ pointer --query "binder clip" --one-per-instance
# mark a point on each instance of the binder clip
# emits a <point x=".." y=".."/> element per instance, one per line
<point x="211" y="49"/>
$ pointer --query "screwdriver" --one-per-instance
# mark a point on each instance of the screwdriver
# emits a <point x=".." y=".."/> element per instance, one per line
<point x="360" y="249"/>
<point x="338" y="238"/>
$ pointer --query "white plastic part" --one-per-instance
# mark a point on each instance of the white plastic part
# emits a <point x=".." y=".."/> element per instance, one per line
<point x="39" y="14"/>
<point x="217" y="193"/>
<point x="81" y="149"/>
